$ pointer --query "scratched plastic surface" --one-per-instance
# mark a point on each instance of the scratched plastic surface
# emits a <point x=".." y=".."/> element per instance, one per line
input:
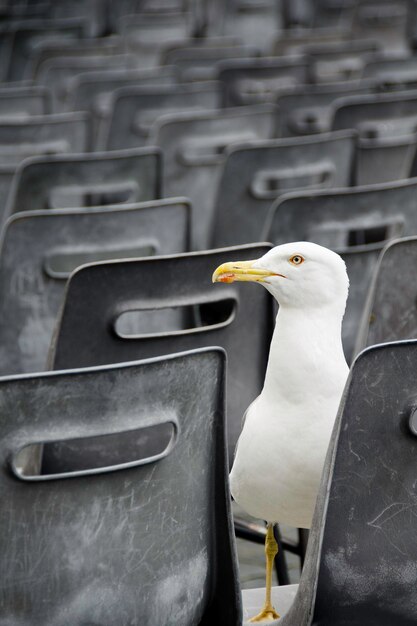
<point x="35" y="244"/>
<point x="150" y="544"/>
<point x="257" y="173"/>
<point x="391" y="312"/>
<point x="362" y="555"/>
<point x="96" y="294"/>
<point x="135" y="171"/>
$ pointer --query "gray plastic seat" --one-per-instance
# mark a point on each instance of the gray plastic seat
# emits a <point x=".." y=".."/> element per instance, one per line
<point x="288" y="42"/>
<point x="48" y="51"/>
<point x="93" y="91"/>
<point x="339" y="61"/>
<point x="40" y="249"/>
<point x="43" y="134"/>
<point x="387" y="125"/>
<point x="392" y="69"/>
<point x="147" y="33"/>
<point x="255" y="81"/>
<point x="135" y="109"/>
<point x="27" y="34"/>
<point x="256" y="174"/>
<point x="356" y="223"/>
<point x="306" y="109"/>
<point x="199" y="61"/>
<point x="255" y="22"/>
<point x="390" y="311"/>
<point x="362" y="543"/>
<point x="58" y="73"/>
<point x="193" y="145"/>
<point x="76" y="180"/>
<point x="300" y="15"/>
<point x="177" y="308"/>
<point x="24" y="101"/>
<point x="385" y="21"/>
<point x="132" y="542"/>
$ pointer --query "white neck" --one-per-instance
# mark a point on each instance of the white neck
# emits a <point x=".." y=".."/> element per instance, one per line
<point x="306" y="345"/>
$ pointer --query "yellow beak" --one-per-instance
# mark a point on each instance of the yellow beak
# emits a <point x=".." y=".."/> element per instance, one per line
<point x="240" y="270"/>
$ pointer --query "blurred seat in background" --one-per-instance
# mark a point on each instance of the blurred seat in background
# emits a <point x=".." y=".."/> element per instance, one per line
<point x="258" y="172"/>
<point x="194" y="147"/>
<point x="78" y="180"/>
<point x="387" y="128"/>
<point x="135" y="109"/>
<point x="43" y="134"/>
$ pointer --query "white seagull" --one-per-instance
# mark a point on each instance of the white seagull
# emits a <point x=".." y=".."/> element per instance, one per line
<point x="281" y="450"/>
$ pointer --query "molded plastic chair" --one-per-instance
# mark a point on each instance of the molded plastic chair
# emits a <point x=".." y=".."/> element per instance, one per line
<point x="390" y="312"/>
<point x="40" y="249"/>
<point x="356" y="223"/>
<point x="146" y="33"/>
<point x="256" y="81"/>
<point x="385" y="21"/>
<point x="193" y="145"/>
<point x="43" y="134"/>
<point x="257" y="173"/>
<point x="27" y="34"/>
<point x="58" y="73"/>
<point x="387" y="140"/>
<point x="93" y="91"/>
<point x="145" y="540"/>
<point x="362" y="542"/>
<point x="135" y="109"/>
<point x="86" y="179"/>
<point x="339" y="61"/>
<point x="306" y="109"/>
<point x="178" y="309"/>
<point x="24" y="101"/>
<point x="293" y="41"/>
<point x="200" y="61"/>
<point x="50" y="50"/>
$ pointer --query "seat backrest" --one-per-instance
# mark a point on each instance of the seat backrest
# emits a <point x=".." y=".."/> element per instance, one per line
<point x="362" y="549"/>
<point x="259" y="80"/>
<point x="193" y="145"/>
<point x="109" y="529"/>
<point x="177" y="308"/>
<point x="24" y="101"/>
<point x="59" y="72"/>
<point x="306" y="109"/>
<point x="135" y="109"/>
<point x="92" y="91"/>
<point x="146" y="34"/>
<point x="48" y="51"/>
<point x="256" y="174"/>
<point x="43" y="134"/>
<point x="386" y="123"/>
<point x="200" y="61"/>
<point x="391" y="68"/>
<point x="390" y="312"/>
<point x="356" y="222"/>
<point x="86" y="180"/>
<point x="40" y="249"/>
<point x="28" y="34"/>
<point x="339" y="61"/>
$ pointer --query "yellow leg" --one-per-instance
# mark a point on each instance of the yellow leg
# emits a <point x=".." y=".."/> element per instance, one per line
<point x="268" y="613"/>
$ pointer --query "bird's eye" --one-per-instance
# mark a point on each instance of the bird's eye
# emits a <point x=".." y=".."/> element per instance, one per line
<point x="296" y="259"/>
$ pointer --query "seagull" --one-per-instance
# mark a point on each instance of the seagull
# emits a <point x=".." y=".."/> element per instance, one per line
<point x="281" y="450"/>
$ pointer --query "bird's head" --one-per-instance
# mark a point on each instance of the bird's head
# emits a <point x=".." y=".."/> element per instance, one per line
<point x="296" y="274"/>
